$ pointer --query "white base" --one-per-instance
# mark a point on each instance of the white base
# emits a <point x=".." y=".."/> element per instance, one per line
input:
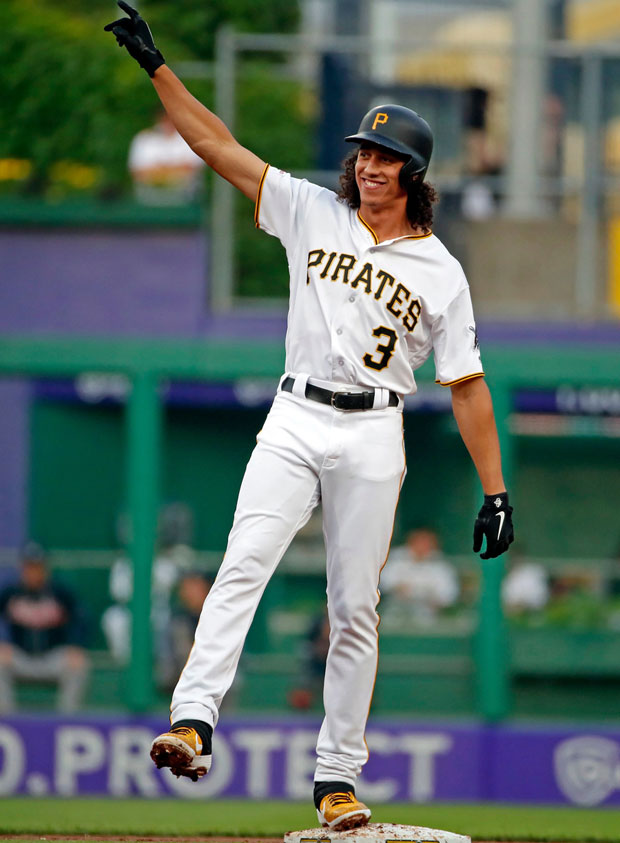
<point x="376" y="833"/>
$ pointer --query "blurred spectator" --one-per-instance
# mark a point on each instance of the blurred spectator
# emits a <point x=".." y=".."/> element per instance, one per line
<point x="477" y="201"/>
<point x="525" y="587"/>
<point x="314" y="656"/>
<point x="482" y="158"/>
<point x="418" y="578"/>
<point x="192" y="592"/>
<point x="173" y="558"/>
<point x="575" y="597"/>
<point x="164" y="169"/>
<point x="41" y="634"/>
<point x="116" y="619"/>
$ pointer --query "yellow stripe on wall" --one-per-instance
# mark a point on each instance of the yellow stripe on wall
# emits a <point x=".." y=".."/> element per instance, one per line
<point x="613" y="283"/>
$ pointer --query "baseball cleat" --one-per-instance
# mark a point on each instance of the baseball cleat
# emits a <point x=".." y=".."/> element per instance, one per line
<point x="341" y="811"/>
<point x="180" y="749"/>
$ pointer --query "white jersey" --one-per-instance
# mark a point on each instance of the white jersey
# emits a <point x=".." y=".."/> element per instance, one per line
<point x="363" y="312"/>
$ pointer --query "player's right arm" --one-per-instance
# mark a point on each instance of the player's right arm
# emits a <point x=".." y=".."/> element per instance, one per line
<point x="205" y="133"/>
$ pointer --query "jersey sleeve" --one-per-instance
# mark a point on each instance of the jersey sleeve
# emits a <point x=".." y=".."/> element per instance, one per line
<point x="283" y="203"/>
<point x="455" y="342"/>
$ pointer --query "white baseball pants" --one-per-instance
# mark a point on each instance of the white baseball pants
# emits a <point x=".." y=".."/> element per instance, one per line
<point x="353" y="462"/>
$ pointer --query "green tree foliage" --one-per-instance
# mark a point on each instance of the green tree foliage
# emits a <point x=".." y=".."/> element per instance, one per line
<point x="69" y="93"/>
<point x="66" y="93"/>
<point x="196" y="23"/>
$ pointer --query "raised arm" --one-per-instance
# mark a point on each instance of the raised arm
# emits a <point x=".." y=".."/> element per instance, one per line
<point x="205" y="133"/>
<point x="473" y="411"/>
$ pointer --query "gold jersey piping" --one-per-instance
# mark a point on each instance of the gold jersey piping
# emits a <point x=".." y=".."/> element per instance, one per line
<point x="258" y="196"/>
<point x="405" y="237"/>
<point x="368" y="228"/>
<point x="458" y="380"/>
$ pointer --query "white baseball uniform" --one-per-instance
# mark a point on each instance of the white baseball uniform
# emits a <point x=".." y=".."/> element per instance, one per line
<point x="363" y="316"/>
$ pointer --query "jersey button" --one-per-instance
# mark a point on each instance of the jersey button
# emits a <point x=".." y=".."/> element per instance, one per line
<point x="341" y="362"/>
<point x="339" y="331"/>
<point x="351" y="298"/>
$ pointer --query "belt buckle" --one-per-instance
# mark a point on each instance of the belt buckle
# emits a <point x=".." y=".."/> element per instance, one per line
<point x="334" y="398"/>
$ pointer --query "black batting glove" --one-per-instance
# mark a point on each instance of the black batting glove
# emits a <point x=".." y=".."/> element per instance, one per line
<point x="495" y="522"/>
<point x="134" y="34"/>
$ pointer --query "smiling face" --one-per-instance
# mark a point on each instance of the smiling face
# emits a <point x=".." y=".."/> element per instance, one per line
<point x="376" y="173"/>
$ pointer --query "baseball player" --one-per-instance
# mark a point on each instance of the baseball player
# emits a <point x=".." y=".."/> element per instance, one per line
<point x="372" y="293"/>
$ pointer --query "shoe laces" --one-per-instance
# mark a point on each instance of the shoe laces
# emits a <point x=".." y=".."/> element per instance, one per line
<point x="340" y="799"/>
<point x="182" y="730"/>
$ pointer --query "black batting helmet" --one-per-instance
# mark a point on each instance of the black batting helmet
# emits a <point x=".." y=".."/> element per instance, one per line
<point x="402" y="130"/>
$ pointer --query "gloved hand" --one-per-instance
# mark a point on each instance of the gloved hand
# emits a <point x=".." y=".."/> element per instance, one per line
<point x="495" y="522"/>
<point x="134" y="34"/>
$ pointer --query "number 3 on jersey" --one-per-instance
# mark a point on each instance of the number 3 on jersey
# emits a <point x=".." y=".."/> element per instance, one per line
<point x="384" y="349"/>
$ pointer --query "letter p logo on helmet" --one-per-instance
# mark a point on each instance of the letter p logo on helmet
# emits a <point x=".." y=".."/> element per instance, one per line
<point x="380" y="117"/>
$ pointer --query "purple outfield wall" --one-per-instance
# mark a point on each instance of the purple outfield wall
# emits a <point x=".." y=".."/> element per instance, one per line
<point x="265" y="758"/>
<point x="14" y="429"/>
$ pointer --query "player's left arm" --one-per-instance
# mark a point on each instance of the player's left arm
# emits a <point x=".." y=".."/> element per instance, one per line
<point x="473" y="411"/>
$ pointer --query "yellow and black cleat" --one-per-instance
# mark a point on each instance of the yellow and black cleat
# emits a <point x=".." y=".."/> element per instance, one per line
<point x="180" y="749"/>
<point x="342" y="810"/>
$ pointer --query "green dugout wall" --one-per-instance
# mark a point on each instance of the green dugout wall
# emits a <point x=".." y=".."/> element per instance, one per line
<point x="447" y="481"/>
<point x="203" y="457"/>
<point x="205" y="451"/>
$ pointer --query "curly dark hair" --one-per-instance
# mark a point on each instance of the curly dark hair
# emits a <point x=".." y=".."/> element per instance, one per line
<point x="419" y="204"/>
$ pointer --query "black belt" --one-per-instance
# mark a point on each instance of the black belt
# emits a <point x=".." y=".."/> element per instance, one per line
<point x="340" y="400"/>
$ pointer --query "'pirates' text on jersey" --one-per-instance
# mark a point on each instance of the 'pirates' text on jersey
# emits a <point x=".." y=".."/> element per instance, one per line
<point x="378" y="308"/>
